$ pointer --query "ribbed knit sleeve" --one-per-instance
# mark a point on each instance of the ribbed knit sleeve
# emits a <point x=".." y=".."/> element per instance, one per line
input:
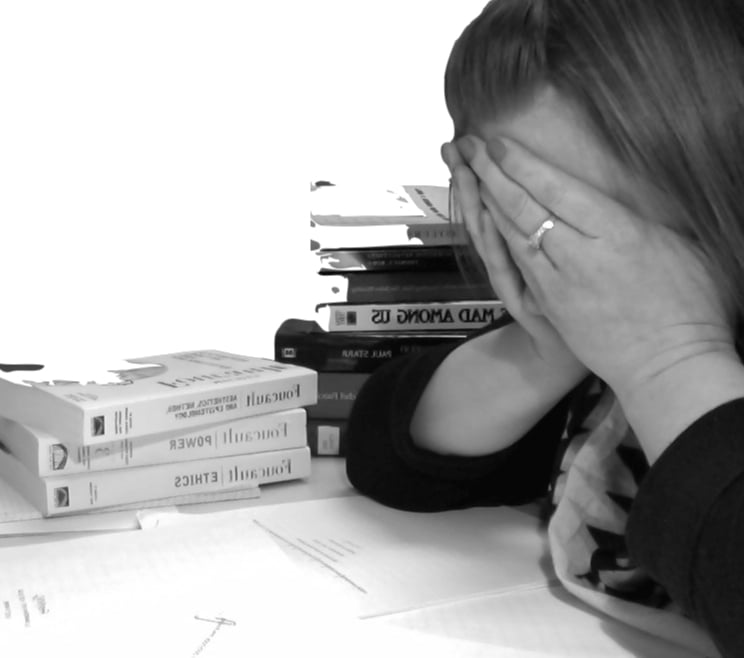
<point x="687" y="523"/>
<point x="383" y="462"/>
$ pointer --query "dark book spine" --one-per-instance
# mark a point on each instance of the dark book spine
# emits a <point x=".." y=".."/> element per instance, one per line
<point x="391" y="259"/>
<point x="337" y="393"/>
<point x="326" y="437"/>
<point x="304" y="343"/>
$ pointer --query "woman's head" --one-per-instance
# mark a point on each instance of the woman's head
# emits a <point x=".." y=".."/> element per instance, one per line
<point x="659" y="84"/>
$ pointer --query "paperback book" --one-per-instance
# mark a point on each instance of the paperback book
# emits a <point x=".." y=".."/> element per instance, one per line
<point x="348" y="204"/>
<point x="350" y="216"/>
<point x="81" y="492"/>
<point x="45" y="455"/>
<point x="169" y="392"/>
<point x="460" y="315"/>
<point x="306" y="343"/>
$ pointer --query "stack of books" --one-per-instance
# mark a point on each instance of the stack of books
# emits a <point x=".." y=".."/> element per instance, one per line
<point x="388" y="282"/>
<point x="174" y="428"/>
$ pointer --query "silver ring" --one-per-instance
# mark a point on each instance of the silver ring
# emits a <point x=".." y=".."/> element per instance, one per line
<point x="535" y="240"/>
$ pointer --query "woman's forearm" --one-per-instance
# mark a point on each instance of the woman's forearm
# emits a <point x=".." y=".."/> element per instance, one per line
<point x="488" y="393"/>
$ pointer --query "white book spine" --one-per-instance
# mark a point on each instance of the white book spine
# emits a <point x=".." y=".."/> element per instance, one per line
<point x="191" y="409"/>
<point x="409" y="317"/>
<point x="44" y="455"/>
<point x="82" y="492"/>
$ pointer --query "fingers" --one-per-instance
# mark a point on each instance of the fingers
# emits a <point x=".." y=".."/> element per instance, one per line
<point x="576" y="203"/>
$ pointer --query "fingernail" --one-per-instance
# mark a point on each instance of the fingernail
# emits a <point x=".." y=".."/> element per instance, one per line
<point x="466" y="146"/>
<point x="496" y="150"/>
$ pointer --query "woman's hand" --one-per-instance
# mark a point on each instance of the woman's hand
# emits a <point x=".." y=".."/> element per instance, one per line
<point x="505" y="278"/>
<point x="631" y="297"/>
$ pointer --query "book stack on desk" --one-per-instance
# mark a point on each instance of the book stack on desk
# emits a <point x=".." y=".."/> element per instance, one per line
<point x="171" y="428"/>
<point x="388" y="283"/>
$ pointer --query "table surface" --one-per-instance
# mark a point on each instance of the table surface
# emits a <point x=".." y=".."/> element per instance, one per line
<point x="475" y="620"/>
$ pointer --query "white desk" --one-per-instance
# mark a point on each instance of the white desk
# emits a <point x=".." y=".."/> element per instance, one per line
<point x="544" y="620"/>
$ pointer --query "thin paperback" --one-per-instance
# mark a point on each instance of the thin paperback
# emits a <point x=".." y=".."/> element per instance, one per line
<point x="86" y="491"/>
<point x="44" y="455"/>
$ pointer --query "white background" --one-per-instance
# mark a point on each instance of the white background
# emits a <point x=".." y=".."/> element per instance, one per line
<point x="155" y="159"/>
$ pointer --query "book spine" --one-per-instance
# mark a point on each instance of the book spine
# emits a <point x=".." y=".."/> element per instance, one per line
<point x="395" y="287"/>
<point x="432" y="234"/>
<point x="337" y="392"/>
<point x="78" y="493"/>
<point x="410" y="316"/>
<point x="276" y="431"/>
<point x="190" y="408"/>
<point x="413" y="259"/>
<point x="327" y="437"/>
<point x="306" y="344"/>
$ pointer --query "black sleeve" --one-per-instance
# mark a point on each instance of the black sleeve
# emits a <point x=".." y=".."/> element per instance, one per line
<point x="383" y="462"/>
<point x="687" y="524"/>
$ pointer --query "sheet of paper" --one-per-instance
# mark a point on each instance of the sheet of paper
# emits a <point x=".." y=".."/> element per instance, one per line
<point x="217" y="588"/>
<point x="550" y="621"/>
<point x="383" y="560"/>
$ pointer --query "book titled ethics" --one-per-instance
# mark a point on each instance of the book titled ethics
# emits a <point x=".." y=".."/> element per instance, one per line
<point x="67" y="494"/>
<point x="164" y="393"/>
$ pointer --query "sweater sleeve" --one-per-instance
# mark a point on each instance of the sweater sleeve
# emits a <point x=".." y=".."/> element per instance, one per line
<point x="383" y="462"/>
<point x="687" y="523"/>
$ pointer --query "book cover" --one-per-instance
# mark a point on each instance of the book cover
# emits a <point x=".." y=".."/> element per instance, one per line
<point x="372" y="287"/>
<point x="337" y="392"/>
<point x="159" y="394"/>
<point x="326" y="437"/>
<point x="388" y="259"/>
<point x="45" y="455"/>
<point x="409" y="316"/>
<point x="306" y="343"/>
<point x="86" y="491"/>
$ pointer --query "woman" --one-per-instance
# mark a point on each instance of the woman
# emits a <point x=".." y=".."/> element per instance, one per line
<point x="597" y="166"/>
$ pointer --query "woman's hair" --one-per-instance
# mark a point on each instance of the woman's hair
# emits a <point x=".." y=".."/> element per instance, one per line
<point x="660" y="81"/>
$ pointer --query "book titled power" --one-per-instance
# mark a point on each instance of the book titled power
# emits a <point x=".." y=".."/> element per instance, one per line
<point x="86" y="491"/>
<point x="414" y="316"/>
<point x="44" y="455"/>
<point x="165" y="393"/>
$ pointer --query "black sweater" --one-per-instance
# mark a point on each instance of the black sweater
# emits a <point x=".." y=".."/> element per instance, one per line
<point x="686" y="525"/>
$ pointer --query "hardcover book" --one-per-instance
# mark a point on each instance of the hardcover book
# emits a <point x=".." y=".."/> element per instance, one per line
<point x="44" y="455"/>
<point x="388" y="259"/>
<point x="409" y="316"/>
<point x="337" y="392"/>
<point x="169" y="392"/>
<point x="374" y="287"/>
<point x="86" y="491"/>
<point x="306" y="343"/>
